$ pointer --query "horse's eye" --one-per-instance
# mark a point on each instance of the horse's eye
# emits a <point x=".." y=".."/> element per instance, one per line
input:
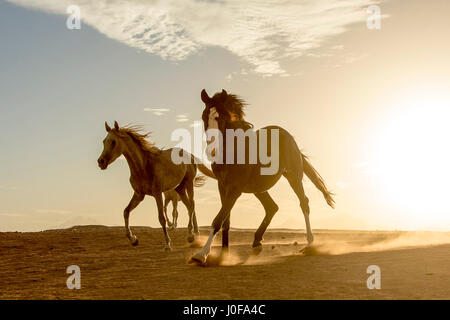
<point x="113" y="143"/>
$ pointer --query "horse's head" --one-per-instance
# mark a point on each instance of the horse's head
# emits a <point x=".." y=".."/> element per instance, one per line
<point x="227" y="107"/>
<point x="112" y="146"/>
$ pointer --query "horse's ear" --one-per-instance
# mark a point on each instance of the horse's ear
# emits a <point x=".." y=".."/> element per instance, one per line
<point x="205" y="97"/>
<point x="107" y="127"/>
<point x="116" y="125"/>
<point x="224" y="94"/>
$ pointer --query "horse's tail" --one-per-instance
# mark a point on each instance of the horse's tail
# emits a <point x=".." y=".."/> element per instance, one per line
<point x="199" y="181"/>
<point x="317" y="180"/>
<point x="203" y="169"/>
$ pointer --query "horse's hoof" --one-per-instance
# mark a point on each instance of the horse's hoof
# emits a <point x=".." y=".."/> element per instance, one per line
<point x="257" y="249"/>
<point x="167" y="249"/>
<point x="134" y="242"/>
<point x="191" y="238"/>
<point x="224" y="254"/>
<point x="199" y="258"/>
<point x="310" y="239"/>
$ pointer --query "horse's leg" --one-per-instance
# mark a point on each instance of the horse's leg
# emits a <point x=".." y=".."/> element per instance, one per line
<point x="174" y="213"/>
<point x="184" y="198"/>
<point x="295" y="180"/>
<point x="225" y="226"/>
<point x="162" y="220"/>
<point x="134" y="202"/>
<point x="166" y="204"/>
<point x="271" y="208"/>
<point x="194" y="219"/>
<point x="225" y="236"/>
<point x="190" y="194"/>
<point x="228" y="202"/>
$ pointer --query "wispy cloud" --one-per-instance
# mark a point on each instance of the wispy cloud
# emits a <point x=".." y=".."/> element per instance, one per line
<point x="195" y="124"/>
<point x="338" y="47"/>
<point x="157" y="111"/>
<point x="182" y="118"/>
<point x="261" y="32"/>
<point x="230" y="76"/>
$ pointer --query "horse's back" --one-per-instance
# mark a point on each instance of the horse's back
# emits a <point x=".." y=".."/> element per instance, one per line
<point x="174" y="167"/>
<point x="182" y="160"/>
<point x="249" y="177"/>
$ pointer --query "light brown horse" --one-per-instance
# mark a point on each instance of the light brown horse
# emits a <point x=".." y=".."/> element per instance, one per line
<point x="152" y="173"/>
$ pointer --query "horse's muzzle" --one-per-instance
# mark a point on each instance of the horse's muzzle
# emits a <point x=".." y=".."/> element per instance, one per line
<point x="102" y="163"/>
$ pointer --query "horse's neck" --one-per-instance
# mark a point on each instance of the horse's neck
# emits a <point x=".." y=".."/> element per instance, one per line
<point x="136" y="158"/>
<point x="237" y="124"/>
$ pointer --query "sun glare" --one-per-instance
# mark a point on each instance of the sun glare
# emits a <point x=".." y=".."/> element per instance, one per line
<point x="411" y="157"/>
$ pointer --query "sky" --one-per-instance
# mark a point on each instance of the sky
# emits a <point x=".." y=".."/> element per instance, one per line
<point x="369" y="106"/>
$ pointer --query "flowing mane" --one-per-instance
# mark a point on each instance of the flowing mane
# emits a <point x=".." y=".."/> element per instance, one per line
<point x="139" y="137"/>
<point x="235" y="105"/>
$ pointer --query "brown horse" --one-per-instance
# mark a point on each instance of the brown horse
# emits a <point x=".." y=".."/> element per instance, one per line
<point x="152" y="173"/>
<point x="173" y="196"/>
<point x="224" y="112"/>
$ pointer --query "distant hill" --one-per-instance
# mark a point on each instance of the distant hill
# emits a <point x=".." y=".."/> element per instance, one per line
<point x="76" y="221"/>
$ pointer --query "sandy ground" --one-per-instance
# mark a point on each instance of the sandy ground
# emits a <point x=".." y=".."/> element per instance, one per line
<point x="413" y="265"/>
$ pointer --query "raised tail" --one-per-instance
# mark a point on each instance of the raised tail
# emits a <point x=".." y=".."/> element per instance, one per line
<point x="207" y="172"/>
<point x="199" y="181"/>
<point x="317" y="180"/>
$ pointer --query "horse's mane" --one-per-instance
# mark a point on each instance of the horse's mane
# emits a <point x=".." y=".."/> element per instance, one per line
<point x="136" y="133"/>
<point x="236" y="105"/>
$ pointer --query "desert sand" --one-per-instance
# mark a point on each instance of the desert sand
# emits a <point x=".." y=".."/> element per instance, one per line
<point x="414" y="265"/>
